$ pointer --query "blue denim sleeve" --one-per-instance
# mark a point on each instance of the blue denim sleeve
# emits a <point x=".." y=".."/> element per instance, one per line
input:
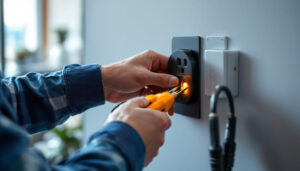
<point x="37" y="102"/>
<point x="117" y="146"/>
<point x="42" y="101"/>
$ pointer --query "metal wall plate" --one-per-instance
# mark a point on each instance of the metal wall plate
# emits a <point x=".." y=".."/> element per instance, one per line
<point x="185" y="64"/>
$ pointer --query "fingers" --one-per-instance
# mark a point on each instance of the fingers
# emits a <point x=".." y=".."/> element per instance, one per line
<point x="160" y="61"/>
<point x="151" y="89"/>
<point x="141" y="102"/>
<point x="165" y="120"/>
<point x="138" y="102"/>
<point x="156" y="89"/>
<point x="162" y="118"/>
<point x="161" y="80"/>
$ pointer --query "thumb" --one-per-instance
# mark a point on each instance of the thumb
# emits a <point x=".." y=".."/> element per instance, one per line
<point x="138" y="102"/>
<point x="161" y="80"/>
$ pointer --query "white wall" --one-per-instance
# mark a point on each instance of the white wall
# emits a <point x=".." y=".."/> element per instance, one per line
<point x="267" y="34"/>
<point x="65" y="14"/>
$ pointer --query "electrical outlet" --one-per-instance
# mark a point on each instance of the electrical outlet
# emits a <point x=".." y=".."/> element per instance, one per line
<point x="184" y="62"/>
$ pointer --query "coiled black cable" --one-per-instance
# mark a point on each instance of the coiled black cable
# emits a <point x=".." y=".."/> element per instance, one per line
<point x="222" y="159"/>
<point x="215" y="97"/>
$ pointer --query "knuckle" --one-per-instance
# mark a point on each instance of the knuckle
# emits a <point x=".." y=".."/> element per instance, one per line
<point x="127" y="109"/>
<point x="162" y="141"/>
<point x="128" y="104"/>
<point x="149" y="52"/>
<point x="163" y="122"/>
<point x="140" y="78"/>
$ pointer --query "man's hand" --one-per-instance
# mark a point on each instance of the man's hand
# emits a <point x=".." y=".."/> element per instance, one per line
<point x="150" y="124"/>
<point x="139" y="75"/>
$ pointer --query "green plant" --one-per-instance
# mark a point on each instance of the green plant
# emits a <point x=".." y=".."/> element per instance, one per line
<point x="24" y="52"/>
<point x="70" y="141"/>
<point x="62" y="34"/>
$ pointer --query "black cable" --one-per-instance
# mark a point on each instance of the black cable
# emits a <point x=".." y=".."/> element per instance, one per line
<point x="215" y="149"/>
<point x="117" y="106"/>
<point x="215" y="97"/>
<point x="222" y="160"/>
<point x="229" y="144"/>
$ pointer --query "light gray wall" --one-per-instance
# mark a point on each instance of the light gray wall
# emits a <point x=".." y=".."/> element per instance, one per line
<point x="267" y="33"/>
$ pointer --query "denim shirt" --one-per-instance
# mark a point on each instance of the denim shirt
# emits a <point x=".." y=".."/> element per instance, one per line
<point x="37" y="102"/>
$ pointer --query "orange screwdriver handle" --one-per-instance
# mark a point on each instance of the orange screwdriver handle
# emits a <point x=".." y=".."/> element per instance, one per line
<point x="162" y="101"/>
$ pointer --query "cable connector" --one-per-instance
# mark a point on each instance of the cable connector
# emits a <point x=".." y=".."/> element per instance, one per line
<point x="229" y="144"/>
<point x="215" y="149"/>
<point x="222" y="160"/>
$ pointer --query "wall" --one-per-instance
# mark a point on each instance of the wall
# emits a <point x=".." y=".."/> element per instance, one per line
<point x="267" y="34"/>
<point x="64" y="14"/>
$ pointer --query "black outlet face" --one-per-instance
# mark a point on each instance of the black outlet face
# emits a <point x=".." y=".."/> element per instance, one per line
<point x="185" y="64"/>
<point x="181" y="64"/>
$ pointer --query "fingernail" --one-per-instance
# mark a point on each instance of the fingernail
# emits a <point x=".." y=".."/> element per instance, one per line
<point x="173" y="80"/>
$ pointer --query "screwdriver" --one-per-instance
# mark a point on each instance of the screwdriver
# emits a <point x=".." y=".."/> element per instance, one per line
<point x="165" y="100"/>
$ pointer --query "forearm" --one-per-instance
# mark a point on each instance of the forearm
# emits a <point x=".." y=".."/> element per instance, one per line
<point x="41" y="101"/>
<point x="117" y="146"/>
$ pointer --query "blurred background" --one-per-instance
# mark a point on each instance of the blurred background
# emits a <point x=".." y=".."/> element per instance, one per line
<point x="43" y="36"/>
<point x="266" y="34"/>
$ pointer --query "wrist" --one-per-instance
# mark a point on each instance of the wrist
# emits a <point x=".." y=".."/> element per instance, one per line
<point x="83" y="87"/>
<point x="107" y="77"/>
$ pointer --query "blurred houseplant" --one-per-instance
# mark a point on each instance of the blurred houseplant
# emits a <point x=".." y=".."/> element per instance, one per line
<point x="24" y="56"/>
<point x="62" y="35"/>
<point x="61" y="142"/>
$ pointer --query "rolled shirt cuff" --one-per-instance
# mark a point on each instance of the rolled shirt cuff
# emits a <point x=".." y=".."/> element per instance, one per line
<point x="84" y="87"/>
<point x="126" y="139"/>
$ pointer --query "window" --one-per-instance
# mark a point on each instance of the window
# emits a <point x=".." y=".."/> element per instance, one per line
<point x="41" y="35"/>
<point x="22" y="31"/>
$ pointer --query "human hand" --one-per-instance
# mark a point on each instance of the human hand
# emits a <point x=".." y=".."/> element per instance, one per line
<point x="139" y="75"/>
<point x="150" y="124"/>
